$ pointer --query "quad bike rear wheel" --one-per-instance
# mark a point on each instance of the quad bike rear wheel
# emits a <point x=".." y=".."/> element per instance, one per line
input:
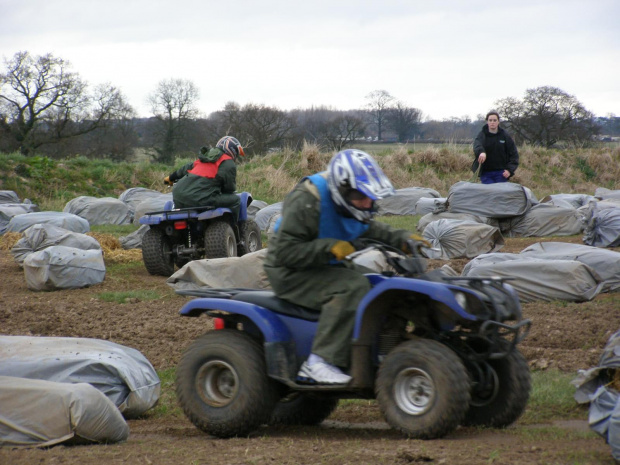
<point x="251" y="240"/>
<point x="504" y="397"/>
<point x="157" y="253"/>
<point x="222" y="384"/>
<point x="220" y="240"/>
<point x="423" y="389"/>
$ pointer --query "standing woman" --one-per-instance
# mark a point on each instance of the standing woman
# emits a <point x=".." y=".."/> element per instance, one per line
<point x="495" y="152"/>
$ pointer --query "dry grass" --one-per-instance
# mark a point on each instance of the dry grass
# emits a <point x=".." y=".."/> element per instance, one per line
<point x="8" y="240"/>
<point x="113" y="251"/>
<point x="544" y="171"/>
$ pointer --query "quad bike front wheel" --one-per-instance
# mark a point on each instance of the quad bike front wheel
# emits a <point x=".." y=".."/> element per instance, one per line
<point x="423" y="389"/>
<point x="251" y="240"/>
<point x="503" y="397"/>
<point x="303" y="409"/>
<point x="220" y="240"/>
<point x="157" y="253"/>
<point x="222" y="384"/>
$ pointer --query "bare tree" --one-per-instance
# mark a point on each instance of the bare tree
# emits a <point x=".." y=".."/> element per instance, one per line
<point x="379" y="105"/>
<point x="43" y="102"/>
<point x="547" y="115"/>
<point x="173" y="104"/>
<point x="343" y="130"/>
<point x="264" y="127"/>
<point x="405" y="121"/>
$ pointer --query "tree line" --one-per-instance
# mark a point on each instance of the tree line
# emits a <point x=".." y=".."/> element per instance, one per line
<point x="48" y="109"/>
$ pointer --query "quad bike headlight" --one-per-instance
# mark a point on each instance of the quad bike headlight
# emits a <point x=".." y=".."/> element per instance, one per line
<point x="461" y="299"/>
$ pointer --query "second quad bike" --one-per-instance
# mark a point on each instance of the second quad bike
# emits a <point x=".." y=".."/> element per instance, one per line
<point x="435" y="351"/>
<point x="177" y="236"/>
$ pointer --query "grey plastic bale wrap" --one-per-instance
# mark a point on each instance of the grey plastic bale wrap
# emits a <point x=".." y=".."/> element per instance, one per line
<point x="60" y="267"/>
<point x="123" y="374"/>
<point x="403" y="202"/>
<point x="97" y="211"/>
<point x="462" y="239"/>
<point x="42" y="236"/>
<point x="594" y="387"/>
<point x="19" y="223"/>
<point x="499" y="200"/>
<point x="39" y="413"/>
<point x="539" y="279"/>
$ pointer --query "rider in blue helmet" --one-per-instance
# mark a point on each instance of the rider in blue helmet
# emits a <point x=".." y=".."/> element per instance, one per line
<point x="321" y="218"/>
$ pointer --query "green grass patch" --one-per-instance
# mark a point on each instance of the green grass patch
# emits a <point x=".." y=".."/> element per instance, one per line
<point x="409" y="222"/>
<point x="120" y="269"/>
<point x="114" y="229"/>
<point x="128" y="296"/>
<point x="167" y="405"/>
<point x="552" y="398"/>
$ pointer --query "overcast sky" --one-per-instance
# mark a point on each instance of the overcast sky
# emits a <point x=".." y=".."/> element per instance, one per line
<point x="445" y="57"/>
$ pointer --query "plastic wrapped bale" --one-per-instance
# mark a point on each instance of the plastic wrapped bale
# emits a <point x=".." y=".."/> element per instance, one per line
<point x="133" y="196"/>
<point x="255" y="206"/>
<point x="60" y="267"/>
<point x="134" y="240"/>
<point x="36" y="413"/>
<point x="151" y="204"/>
<point x="599" y="387"/>
<point x="9" y="197"/>
<point x="605" y="262"/>
<point x="429" y="205"/>
<point x="122" y="373"/>
<point x="462" y="239"/>
<point x="430" y="217"/>
<point x="602" y="226"/>
<point x="233" y="272"/>
<point x="537" y="279"/>
<point x="9" y="210"/>
<point x="42" y="236"/>
<point x="499" y="200"/>
<point x="604" y="193"/>
<point x="96" y="211"/>
<point x="19" y="223"/>
<point x="263" y="216"/>
<point x="544" y="220"/>
<point x="404" y="201"/>
<point x="565" y="200"/>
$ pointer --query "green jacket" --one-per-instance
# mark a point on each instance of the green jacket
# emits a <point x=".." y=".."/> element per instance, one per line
<point x="193" y="190"/>
<point x="296" y="244"/>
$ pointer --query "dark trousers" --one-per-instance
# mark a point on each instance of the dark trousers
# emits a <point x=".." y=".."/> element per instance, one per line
<point x="491" y="177"/>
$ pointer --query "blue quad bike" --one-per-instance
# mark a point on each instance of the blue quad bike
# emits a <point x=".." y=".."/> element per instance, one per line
<point x="435" y="351"/>
<point x="177" y="236"/>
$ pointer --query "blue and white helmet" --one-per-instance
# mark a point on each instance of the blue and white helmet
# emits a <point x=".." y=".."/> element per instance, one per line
<point x="356" y="170"/>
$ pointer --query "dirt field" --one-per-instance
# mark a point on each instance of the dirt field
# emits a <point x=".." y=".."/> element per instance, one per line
<point x="564" y="336"/>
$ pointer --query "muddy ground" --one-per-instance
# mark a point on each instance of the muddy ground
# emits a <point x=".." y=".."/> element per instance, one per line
<point x="564" y="336"/>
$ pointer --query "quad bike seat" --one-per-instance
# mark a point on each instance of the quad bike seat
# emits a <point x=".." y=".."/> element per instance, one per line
<point x="268" y="299"/>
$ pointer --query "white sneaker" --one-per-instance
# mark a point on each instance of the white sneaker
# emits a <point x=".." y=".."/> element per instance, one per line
<point x="322" y="373"/>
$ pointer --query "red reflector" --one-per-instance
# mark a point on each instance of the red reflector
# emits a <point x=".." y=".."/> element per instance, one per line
<point x="180" y="224"/>
<point x="218" y="323"/>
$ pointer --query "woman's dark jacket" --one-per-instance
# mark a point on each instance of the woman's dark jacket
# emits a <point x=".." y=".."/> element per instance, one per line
<point x="501" y="151"/>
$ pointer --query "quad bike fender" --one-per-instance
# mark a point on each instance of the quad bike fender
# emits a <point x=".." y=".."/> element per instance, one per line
<point x="271" y="327"/>
<point x="286" y="340"/>
<point x="246" y="200"/>
<point x="153" y="219"/>
<point x="438" y="292"/>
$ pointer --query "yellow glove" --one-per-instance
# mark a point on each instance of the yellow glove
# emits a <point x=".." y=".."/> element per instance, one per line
<point x="341" y="249"/>
<point x="417" y="238"/>
<point x="168" y="181"/>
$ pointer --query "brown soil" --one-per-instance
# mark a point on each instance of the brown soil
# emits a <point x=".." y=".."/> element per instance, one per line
<point x="564" y="336"/>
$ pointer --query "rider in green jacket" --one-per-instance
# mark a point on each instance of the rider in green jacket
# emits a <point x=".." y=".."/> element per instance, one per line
<point x="321" y="218"/>
<point x="210" y="180"/>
